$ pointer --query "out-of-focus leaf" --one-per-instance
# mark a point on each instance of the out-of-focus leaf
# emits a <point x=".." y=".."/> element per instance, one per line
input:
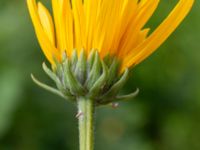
<point x="10" y="92"/>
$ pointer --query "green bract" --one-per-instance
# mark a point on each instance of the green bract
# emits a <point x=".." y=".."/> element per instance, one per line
<point x="91" y="77"/>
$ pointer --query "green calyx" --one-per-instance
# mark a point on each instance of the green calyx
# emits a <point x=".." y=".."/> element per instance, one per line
<point x="90" y="77"/>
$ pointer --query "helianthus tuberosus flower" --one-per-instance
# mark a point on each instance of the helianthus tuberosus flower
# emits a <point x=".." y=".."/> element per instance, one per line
<point x="91" y="44"/>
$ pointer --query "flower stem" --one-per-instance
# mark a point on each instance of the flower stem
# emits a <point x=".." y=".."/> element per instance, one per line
<point x="86" y="123"/>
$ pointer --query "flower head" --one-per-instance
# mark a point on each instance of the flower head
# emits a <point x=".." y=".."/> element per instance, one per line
<point x="91" y="44"/>
<point x="112" y="27"/>
<point x="89" y="41"/>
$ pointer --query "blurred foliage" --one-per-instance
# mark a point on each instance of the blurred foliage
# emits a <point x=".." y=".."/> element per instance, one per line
<point x="165" y="115"/>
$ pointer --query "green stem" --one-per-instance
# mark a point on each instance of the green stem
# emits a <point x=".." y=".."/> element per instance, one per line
<point x="86" y="123"/>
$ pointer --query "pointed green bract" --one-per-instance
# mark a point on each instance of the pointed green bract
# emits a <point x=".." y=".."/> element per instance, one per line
<point x="51" y="89"/>
<point x="95" y="72"/>
<point x="81" y="68"/>
<point x="74" y="85"/>
<point x="74" y="60"/>
<point x="91" y="59"/>
<point x="113" y="71"/>
<point x="90" y="77"/>
<point x="100" y="82"/>
<point x="120" y="98"/>
<point x="114" y="90"/>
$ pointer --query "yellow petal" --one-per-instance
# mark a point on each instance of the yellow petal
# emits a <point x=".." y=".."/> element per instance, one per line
<point x="145" y="10"/>
<point x="79" y="24"/>
<point x="47" y="22"/>
<point x="103" y="24"/>
<point x="64" y="25"/>
<point x="128" y="13"/>
<point x="159" y="35"/>
<point x="59" y="24"/>
<point x="91" y="12"/>
<point x="140" y="37"/>
<point x="48" y="48"/>
<point x="69" y="29"/>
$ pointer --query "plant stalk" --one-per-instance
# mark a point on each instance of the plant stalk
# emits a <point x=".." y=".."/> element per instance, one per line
<point x="86" y="123"/>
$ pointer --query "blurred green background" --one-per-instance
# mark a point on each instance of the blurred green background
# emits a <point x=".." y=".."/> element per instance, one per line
<point x="165" y="115"/>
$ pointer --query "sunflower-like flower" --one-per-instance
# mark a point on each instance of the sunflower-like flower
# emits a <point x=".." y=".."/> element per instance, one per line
<point x="92" y="44"/>
<point x="101" y="39"/>
<point x="109" y="26"/>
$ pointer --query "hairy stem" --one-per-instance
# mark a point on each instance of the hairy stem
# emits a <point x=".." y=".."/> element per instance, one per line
<point x="86" y="123"/>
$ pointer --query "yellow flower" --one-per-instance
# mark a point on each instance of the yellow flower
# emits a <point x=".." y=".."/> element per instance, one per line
<point x="114" y="27"/>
